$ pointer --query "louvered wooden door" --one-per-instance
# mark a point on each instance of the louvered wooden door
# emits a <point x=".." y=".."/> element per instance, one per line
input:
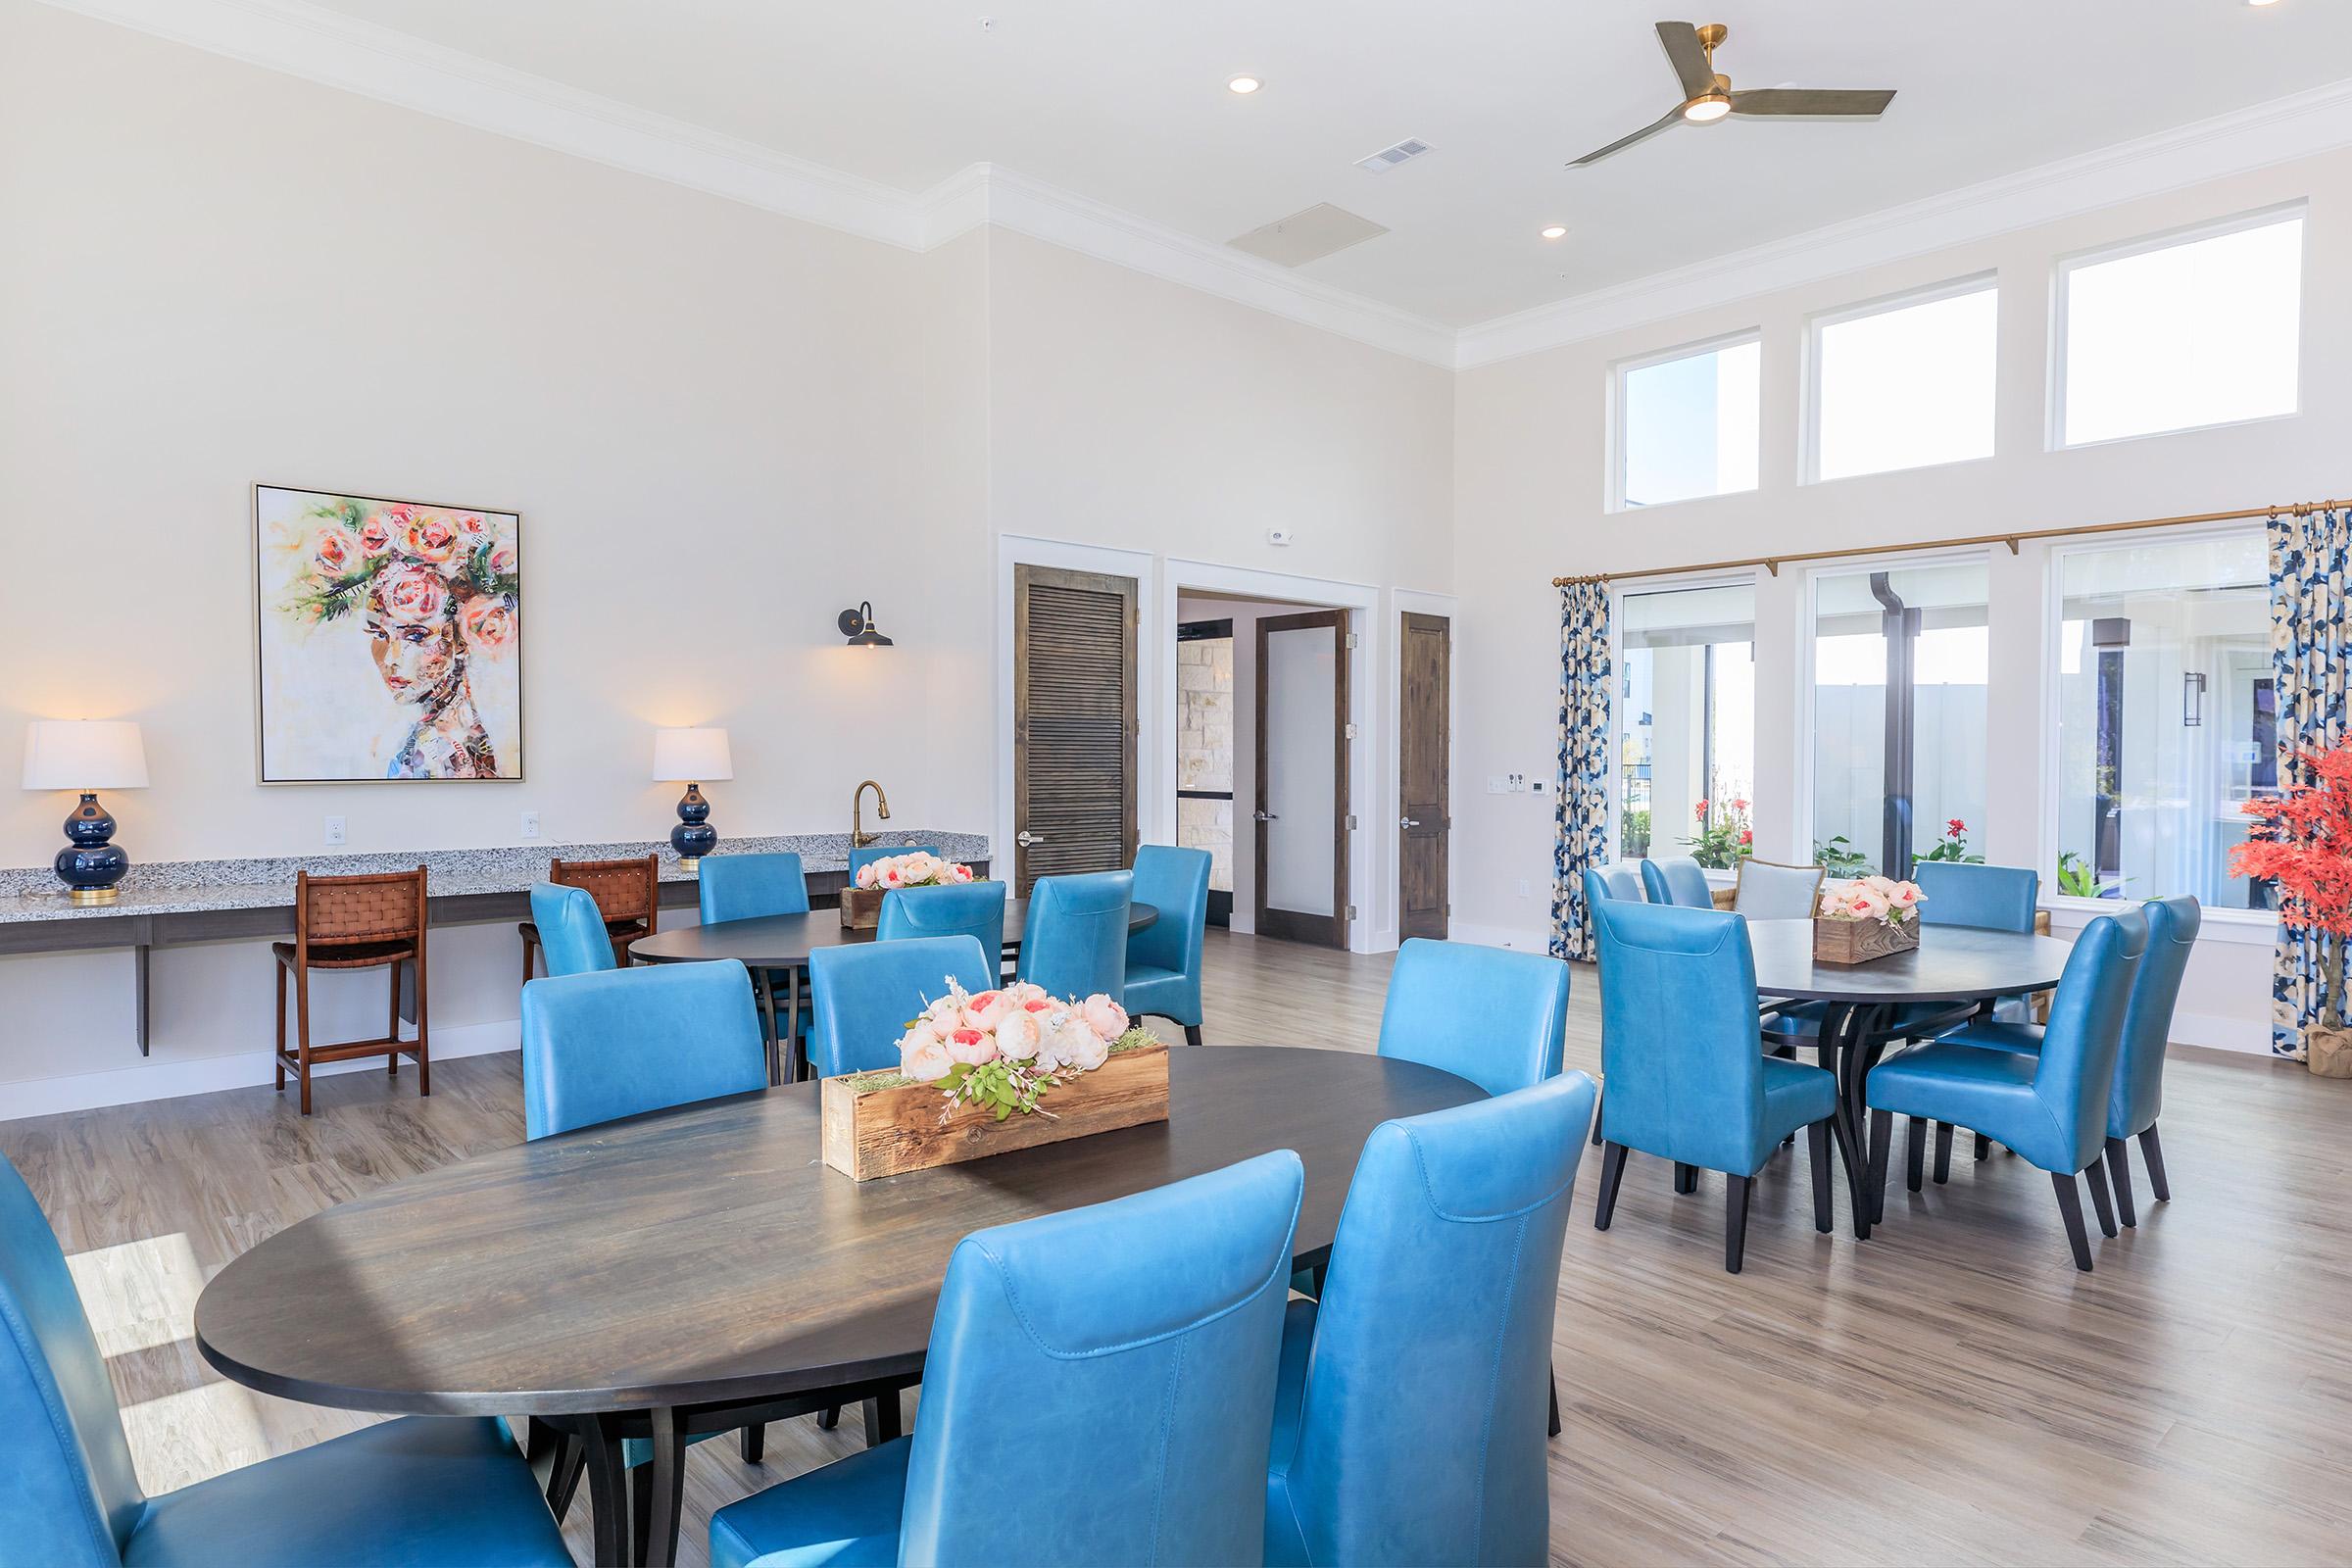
<point x="1424" y="734"/>
<point x="1075" y="725"/>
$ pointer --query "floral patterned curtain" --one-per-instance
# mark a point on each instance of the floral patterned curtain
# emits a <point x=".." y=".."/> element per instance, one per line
<point x="1582" y="804"/>
<point x="2307" y="651"/>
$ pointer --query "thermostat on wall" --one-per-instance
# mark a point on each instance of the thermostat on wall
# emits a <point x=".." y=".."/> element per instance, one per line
<point x="1278" y="536"/>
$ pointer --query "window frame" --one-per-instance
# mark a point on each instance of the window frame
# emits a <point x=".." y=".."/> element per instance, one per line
<point x="2221" y="924"/>
<point x="2064" y="265"/>
<point x="1988" y="281"/>
<point x="1613" y="482"/>
<point x="1621" y="588"/>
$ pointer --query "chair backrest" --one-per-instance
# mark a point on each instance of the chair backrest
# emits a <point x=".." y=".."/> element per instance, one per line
<point x="1175" y="882"/>
<point x="1679" y="1044"/>
<point x="1437" y="1314"/>
<point x="1621" y="879"/>
<point x="571" y="930"/>
<point x="1099" y="1386"/>
<point x="2138" y="1094"/>
<point x="67" y="1491"/>
<point x="1999" y="898"/>
<point x="1678" y="880"/>
<point x="883" y="852"/>
<point x="1075" y="943"/>
<point x="623" y="890"/>
<point x="334" y="910"/>
<point x="2074" y="1073"/>
<point x="1770" y="892"/>
<point x="1496" y="1017"/>
<point x="975" y="909"/>
<point x="596" y="1046"/>
<point x="865" y="994"/>
<point x="744" y="887"/>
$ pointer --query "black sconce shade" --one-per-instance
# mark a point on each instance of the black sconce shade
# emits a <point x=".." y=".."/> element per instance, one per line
<point x="857" y="626"/>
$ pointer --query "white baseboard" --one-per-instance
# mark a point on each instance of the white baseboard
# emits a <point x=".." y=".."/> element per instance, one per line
<point x="2221" y="1032"/>
<point x="1520" y="939"/>
<point x="202" y="1075"/>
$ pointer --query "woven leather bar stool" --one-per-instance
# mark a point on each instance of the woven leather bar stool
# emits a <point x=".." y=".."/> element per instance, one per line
<point x="353" y="922"/>
<point x="627" y="893"/>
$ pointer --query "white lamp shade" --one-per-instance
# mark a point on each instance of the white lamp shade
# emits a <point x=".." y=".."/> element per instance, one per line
<point x="690" y="755"/>
<point x="84" y="754"/>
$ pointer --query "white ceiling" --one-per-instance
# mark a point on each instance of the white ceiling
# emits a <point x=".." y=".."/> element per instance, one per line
<point x="1125" y="102"/>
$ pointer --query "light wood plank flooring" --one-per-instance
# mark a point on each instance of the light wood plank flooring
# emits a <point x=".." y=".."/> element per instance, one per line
<point x="1950" y="1392"/>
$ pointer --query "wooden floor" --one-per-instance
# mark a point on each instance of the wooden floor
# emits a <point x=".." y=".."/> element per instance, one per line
<point x="1950" y="1392"/>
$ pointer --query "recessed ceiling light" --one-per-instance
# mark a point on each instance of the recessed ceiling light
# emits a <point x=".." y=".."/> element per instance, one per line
<point x="2262" y="2"/>
<point x="1244" y="84"/>
<point x="1557" y="231"/>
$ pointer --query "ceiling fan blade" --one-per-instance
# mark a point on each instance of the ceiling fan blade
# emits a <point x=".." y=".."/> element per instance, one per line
<point x="1819" y="102"/>
<point x="1688" y="57"/>
<point x="1671" y="117"/>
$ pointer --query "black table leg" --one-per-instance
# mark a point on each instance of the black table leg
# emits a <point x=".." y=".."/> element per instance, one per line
<point x="665" y="1490"/>
<point x="608" y="1488"/>
<point x="794" y="1061"/>
<point x="764" y="984"/>
<point x="1841" y="1027"/>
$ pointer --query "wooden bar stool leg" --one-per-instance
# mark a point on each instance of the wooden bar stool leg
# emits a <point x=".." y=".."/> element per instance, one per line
<point x="392" y="1028"/>
<point x="424" y="1055"/>
<point x="302" y="1033"/>
<point x="280" y="1056"/>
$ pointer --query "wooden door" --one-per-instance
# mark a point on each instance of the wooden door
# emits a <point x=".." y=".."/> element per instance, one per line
<point x="1073" y="684"/>
<point x="1424" y="721"/>
<point x="1302" y="822"/>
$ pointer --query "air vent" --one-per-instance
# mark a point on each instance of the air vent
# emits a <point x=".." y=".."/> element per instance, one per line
<point x="1308" y="235"/>
<point x="1390" y="156"/>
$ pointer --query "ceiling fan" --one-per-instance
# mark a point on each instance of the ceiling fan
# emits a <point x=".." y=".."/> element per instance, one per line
<point x="1709" y="97"/>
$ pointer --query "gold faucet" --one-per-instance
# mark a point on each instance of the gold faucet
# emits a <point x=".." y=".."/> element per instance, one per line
<point x="859" y="838"/>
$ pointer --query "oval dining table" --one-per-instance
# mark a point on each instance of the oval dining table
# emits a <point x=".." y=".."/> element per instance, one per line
<point x="701" y="1269"/>
<point x="780" y="944"/>
<point x="1867" y="1004"/>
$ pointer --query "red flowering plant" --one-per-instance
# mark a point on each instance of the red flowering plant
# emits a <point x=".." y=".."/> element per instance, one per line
<point x="1725" y="838"/>
<point x="2302" y="844"/>
<point x="1954" y="846"/>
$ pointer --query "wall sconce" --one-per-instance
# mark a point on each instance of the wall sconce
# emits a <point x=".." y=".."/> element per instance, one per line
<point x="2192" y="699"/>
<point x="857" y="626"/>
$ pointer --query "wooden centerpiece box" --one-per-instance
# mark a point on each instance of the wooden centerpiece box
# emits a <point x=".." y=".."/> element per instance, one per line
<point x="860" y="907"/>
<point x="1850" y="942"/>
<point x="882" y="1123"/>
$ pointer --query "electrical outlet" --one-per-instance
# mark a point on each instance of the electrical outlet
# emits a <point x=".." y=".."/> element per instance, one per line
<point x="1498" y="784"/>
<point x="1526" y="889"/>
<point x="530" y="824"/>
<point x="334" y="831"/>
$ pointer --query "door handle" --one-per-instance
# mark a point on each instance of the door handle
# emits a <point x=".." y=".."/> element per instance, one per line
<point x="1408" y="821"/>
<point x="1267" y="817"/>
<point x="1024" y="838"/>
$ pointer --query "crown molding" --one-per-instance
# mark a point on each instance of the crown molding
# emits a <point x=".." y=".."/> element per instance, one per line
<point x="305" y="40"/>
<point x="2276" y="131"/>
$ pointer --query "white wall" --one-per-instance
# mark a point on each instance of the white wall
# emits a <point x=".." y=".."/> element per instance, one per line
<point x="1531" y="478"/>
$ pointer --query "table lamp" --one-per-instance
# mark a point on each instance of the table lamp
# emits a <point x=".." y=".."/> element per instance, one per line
<point x="689" y="757"/>
<point x="86" y="756"/>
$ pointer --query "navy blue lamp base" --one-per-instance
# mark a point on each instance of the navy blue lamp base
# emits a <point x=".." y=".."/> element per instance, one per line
<point x="90" y="865"/>
<point x="694" y="837"/>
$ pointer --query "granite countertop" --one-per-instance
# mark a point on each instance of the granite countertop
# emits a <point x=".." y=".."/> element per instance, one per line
<point x="183" y="886"/>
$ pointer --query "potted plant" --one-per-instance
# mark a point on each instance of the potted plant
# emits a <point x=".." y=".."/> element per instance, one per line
<point x="1869" y="918"/>
<point x="1725" y="838"/>
<point x="861" y="900"/>
<point x="1954" y="846"/>
<point x="2302" y="844"/>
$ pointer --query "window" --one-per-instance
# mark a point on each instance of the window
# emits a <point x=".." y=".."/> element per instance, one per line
<point x="1687" y="425"/>
<point x="2182" y="332"/>
<point x="1905" y="385"/>
<point x="1687" y="717"/>
<point x="2166" y="718"/>
<point x="1900" y="664"/>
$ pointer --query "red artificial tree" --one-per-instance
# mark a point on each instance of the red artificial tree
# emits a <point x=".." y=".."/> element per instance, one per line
<point x="2302" y="844"/>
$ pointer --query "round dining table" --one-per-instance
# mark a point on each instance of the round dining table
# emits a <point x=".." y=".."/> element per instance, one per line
<point x="774" y="946"/>
<point x="1871" y="1005"/>
<point x="701" y="1269"/>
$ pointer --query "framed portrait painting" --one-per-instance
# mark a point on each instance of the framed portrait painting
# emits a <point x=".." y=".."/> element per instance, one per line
<point x="389" y="644"/>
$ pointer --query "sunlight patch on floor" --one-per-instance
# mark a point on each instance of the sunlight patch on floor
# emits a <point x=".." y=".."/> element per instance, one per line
<point x="139" y="1294"/>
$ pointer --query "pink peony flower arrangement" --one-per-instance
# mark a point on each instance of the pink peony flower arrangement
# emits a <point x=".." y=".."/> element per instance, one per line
<point x="1006" y="1048"/>
<point x="919" y="870"/>
<point x="1872" y="897"/>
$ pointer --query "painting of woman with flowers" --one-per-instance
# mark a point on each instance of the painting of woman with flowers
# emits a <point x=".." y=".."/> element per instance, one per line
<point x="390" y="642"/>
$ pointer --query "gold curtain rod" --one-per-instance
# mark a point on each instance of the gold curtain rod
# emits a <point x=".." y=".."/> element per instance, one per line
<point x="1773" y="563"/>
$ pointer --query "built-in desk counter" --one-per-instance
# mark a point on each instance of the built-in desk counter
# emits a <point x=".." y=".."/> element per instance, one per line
<point x="177" y="903"/>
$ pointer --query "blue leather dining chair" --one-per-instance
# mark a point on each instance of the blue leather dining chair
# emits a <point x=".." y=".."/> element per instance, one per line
<point x="419" y="1490"/>
<point x="2048" y="1106"/>
<point x="744" y="887"/>
<point x="1989" y="897"/>
<point x="1493" y="1016"/>
<point x="975" y="909"/>
<point x="1099" y="1389"/>
<point x="1075" y="943"/>
<point x="1677" y="879"/>
<point x="1684" y="1064"/>
<point x="1164" y="960"/>
<point x="864" y="995"/>
<point x="1621" y="880"/>
<point x="1437" y="1314"/>
<point x="572" y="934"/>
<point x="870" y="853"/>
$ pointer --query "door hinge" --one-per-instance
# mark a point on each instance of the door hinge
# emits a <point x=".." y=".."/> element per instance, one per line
<point x="1352" y="912"/>
<point x="1351" y="732"/>
<point x="1352" y="641"/>
<point x="1350" y="822"/>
